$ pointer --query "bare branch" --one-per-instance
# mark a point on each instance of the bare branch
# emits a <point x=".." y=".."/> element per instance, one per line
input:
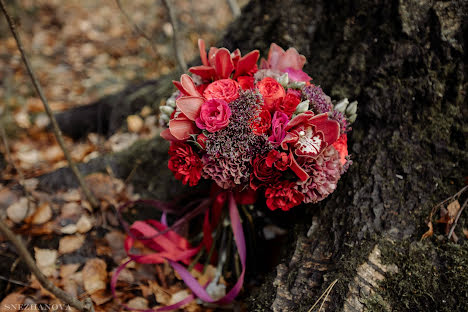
<point x="22" y="251"/>
<point x="55" y="127"/>
<point x="137" y="28"/>
<point x="236" y="12"/>
<point x="176" y="38"/>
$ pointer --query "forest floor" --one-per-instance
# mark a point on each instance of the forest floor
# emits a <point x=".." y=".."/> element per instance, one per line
<point x="81" y="51"/>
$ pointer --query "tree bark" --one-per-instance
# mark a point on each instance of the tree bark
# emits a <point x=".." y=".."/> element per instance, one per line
<point x="404" y="61"/>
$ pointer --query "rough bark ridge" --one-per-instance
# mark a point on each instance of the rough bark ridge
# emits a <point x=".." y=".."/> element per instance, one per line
<point x="404" y="62"/>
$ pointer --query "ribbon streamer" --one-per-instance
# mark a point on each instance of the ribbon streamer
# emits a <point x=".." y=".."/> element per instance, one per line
<point x="173" y="248"/>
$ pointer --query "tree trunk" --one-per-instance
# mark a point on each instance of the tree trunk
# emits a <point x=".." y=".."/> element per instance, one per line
<point x="404" y="61"/>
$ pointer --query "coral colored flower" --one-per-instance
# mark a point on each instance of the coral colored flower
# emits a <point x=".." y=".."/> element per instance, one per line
<point x="280" y="160"/>
<point x="272" y="92"/>
<point x="184" y="163"/>
<point x="283" y="196"/>
<point x="278" y="126"/>
<point x="263" y="175"/>
<point x="290" y="102"/>
<point x="341" y="145"/>
<point x="214" y="115"/>
<point x="246" y="82"/>
<point x="224" y="89"/>
<point x="262" y="122"/>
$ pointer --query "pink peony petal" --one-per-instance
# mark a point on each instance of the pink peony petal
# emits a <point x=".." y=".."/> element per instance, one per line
<point x="297" y="75"/>
<point x="224" y="65"/>
<point x="212" y="56"/>
<point x="190" y="106"/>
<point x="179" y="86"/>
<point x="201" y="47"/>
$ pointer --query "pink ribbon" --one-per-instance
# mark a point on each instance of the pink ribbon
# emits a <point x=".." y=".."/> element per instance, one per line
<point x="173" y="248"/>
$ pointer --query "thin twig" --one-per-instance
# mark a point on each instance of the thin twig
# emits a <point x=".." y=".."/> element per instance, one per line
<point x="234" y="8"/>
<point x="324" y="296"/>
<point x="176" y="38"/>
<point x="24" y="254"/>
<point x="55" y="127"/>
<point x="456" y="219"/>
<point x="135" y="26"/>
<point x="18" y="169"/>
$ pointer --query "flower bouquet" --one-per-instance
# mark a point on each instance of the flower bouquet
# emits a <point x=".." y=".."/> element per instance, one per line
<point x="256" y="131"/>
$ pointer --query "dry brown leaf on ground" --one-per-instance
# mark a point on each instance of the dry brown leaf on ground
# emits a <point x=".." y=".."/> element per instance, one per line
<point x="71" y="243"/>
<point x="104" y="187"/>
<point x="94" y="275"/>
<point x="134" y="123"/>
<point x="42" y="214"/>
<point x="10" y="301"/>
<point x="452" y="210"/>
<point x="138" y="303"/>
<point x="429" y="232"/>
<point x="84" y="224"/>
<point x="67" y="270"/>
<point x="45" y="260"/>
<point x="19" y="210"/>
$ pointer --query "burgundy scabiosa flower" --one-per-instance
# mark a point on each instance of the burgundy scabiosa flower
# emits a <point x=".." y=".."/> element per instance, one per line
<point x="324" y="173"/>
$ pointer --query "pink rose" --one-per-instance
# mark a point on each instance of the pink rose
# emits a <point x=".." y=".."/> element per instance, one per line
<point x="224" y="89"/>
<point x="278" y="126"/>
<point x="214" y="115"/>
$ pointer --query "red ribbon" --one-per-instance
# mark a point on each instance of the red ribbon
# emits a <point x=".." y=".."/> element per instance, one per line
<point x="170" y="246"/>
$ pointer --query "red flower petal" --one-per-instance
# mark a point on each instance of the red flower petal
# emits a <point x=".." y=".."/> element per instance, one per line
<point x="166" y="135"/>
<point x="301" y="174"/>
<point x="205" y="72"/>
<point x="190" y="106"/>
<point x="201" y="47"/>
<point x="246" y="63"/>
<point x="224" y="65"/>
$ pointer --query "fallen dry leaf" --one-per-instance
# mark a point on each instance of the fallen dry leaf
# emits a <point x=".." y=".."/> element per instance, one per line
<point x="465" y="232"/>
<point x="101" y="297"/>
<point x="138" y="303"/>
<point x="84" y="224"/>
<point x="429" y="232"/>
<point x="18" y="211"/>
<point x="10" y="300"/>
<point x="104" y="187"/>
<point x="69" y="229"/>
<point x="42" y="214"/>
<point x="71" y="243"/>
<point x="45" y="260"/>
<point x="452" y="210"/>
<point x="134" y="123"/>
<point x="94" y="275"/>
<point x="67" y="270"/>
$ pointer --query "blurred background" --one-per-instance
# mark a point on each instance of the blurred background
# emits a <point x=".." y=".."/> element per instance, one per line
<point x="82" y="50"/>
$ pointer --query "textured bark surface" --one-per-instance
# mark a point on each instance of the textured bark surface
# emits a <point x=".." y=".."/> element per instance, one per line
<point x="404" y="61"/>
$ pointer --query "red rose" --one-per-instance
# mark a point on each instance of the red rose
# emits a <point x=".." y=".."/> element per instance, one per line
<point x="290" y="102"/>
<point x="272" y="92"/>
<point x="224" y="89"/>
<point x="263" y="175"/>
<point x="214" y="115"/>
<point x="246" y="82"/>
<point x="341" y="145"/>
<point x="283" y="196"/>
<point x="262" y="122"/>
<point x="184" y="163"/>
<point x="280" y="160"/>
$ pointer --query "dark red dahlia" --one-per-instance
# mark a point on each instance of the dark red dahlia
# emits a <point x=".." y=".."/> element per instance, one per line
<point x="184" y="163"/>
<point x="263" y="175"/>
<point x="283" y="195"/>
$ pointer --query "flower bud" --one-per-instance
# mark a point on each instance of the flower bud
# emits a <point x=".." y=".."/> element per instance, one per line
<point x="166" y="110"/>
<point x="284" y="79"/>
<point x="352" y="108"/>
<point x="352" y="118"/>
<point x="201" y="139"/>
<point x="302" y="107"/>
<point x="171" y="102"/>
<point x="164" y="118"/>
<point x="297" y="84"/>
<point x="341" y="105"/>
